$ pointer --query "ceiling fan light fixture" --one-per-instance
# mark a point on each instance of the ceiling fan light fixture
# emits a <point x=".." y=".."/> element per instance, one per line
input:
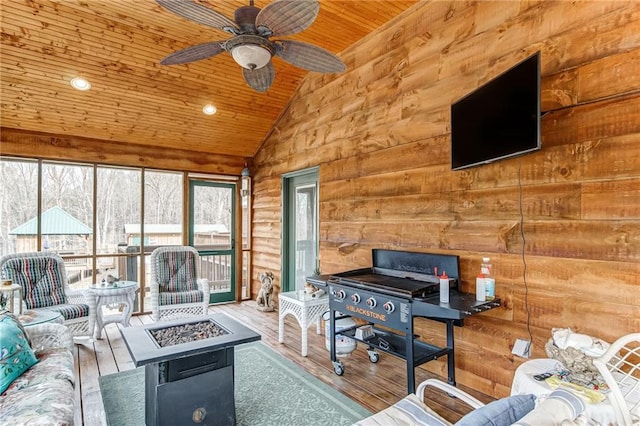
<point x="251" y="56"/>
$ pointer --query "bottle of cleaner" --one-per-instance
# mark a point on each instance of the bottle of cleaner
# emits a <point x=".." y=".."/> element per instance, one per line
<point x="489" y="281"/>
<point x="444" y="288"/>
<point x="481" y="295"/>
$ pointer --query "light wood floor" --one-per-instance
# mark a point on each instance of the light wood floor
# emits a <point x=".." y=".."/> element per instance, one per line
<point x="374" y="386"/>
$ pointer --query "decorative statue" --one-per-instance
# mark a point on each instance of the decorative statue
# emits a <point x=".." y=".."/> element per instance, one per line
<point x="112" y="280"/>
<point x="265" y="296"/>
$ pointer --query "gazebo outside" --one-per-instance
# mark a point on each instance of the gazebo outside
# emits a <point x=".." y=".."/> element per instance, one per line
<point x="61" y="233"/>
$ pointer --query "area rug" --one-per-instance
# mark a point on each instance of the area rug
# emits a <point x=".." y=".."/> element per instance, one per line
<point x="269" y="390"/>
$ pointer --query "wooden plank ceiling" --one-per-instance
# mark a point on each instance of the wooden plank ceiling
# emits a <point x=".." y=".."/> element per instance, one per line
<point x="118" y="44"/>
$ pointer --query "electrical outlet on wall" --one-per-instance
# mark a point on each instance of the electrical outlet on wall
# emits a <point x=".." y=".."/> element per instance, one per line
<point x="522" y="348"/>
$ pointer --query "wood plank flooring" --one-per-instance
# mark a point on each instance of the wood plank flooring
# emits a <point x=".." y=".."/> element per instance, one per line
<point x="374" y="386"/>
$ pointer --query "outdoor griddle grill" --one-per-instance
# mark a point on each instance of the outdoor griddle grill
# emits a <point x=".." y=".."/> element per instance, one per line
<point x="399" y="287"/>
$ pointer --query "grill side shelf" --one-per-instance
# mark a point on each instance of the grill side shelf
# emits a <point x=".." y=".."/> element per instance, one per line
<point x="422" y="351"/>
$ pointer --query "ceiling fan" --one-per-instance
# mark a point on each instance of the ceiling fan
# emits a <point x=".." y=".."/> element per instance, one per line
<point x="250" y="45"/>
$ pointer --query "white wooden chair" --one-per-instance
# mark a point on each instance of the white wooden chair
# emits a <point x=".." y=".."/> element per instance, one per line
<point x="43" y="278"/>
<point x="620" y="367"/>
<point x="176" y="289"/>
<point x="519" y="410"/>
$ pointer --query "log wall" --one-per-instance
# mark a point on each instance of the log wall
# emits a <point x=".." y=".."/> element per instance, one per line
<point x="561" y="225"/>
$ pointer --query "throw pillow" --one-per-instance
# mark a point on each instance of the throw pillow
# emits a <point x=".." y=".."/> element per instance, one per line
<point x="16" y="356"/>
<point x="560" y="406"/>
<point x="502" y="412"/>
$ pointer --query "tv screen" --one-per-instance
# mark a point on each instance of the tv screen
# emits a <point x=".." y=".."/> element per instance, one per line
<point x="498" y="120"/>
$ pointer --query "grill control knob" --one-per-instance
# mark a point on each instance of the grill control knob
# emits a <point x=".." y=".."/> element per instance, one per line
<point x="389" y="307"/>
<point x="355" y="298"/>
<point x="371" y="302"/>
<point x="339" y="294"/>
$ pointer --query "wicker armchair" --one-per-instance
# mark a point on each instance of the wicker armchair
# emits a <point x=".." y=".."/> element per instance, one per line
<point x="176" y="290"/>
<point x="43" y="278"/>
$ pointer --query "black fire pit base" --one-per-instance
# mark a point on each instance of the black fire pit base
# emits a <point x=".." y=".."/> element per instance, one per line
<point x="193" y="390"/>
<point x="188" y="383"/>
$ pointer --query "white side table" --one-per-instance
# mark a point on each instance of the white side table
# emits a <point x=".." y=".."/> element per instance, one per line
<point x="305" y="309"/>
<point x="122" y="292"/>
<point x="11" y="289"/>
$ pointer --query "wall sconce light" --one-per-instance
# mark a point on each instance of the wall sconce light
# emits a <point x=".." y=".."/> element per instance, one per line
<point x="245" y="188"/>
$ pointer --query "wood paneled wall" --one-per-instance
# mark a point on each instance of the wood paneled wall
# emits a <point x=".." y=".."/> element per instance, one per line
<point x="562" y="225"/>
<point x="25" y="143"/>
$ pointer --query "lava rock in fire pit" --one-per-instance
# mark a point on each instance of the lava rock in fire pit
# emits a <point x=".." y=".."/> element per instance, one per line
<point x="186" y="333"/>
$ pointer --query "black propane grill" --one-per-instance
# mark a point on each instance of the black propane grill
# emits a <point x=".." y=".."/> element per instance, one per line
<point x="400" y="286"/>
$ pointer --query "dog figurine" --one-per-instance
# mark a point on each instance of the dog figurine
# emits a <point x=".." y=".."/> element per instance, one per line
<point x="265" y="295"/>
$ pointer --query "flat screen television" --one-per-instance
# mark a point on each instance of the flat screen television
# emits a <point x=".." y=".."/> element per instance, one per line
<point x="500" y="119"/>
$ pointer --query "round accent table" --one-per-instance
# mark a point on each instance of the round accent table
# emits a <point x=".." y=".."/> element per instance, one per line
<point x="40" y="316"/>
<point x="121" y="292"/>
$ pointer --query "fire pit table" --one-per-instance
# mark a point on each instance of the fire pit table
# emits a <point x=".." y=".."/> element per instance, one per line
<point x="188" y="368"/>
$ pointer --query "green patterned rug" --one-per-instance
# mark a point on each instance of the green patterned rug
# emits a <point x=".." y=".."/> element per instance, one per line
<point x="270" y="390"/>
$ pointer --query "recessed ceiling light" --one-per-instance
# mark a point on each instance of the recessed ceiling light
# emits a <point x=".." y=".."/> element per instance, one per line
<point x="209" y="109"/>
<point x="80" y="83"/>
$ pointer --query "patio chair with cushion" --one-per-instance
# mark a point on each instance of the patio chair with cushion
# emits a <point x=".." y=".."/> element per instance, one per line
<point x="43" y="278"/>
<point x="176" y="289"/>
<point x="560" y="407"/>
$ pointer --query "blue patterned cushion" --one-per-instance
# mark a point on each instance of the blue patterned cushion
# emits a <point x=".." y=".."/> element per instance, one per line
<point x="16" y="356"/>
<point x="502" y="412"/>
<point x="174" y="298"/>
<point x="40" y="278"/>
<point x="176" y="271"/>
<point x="69" y="311"/>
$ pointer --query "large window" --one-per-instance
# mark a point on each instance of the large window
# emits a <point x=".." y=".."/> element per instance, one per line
<point x="18" y="206"/>
<point x="103" y="220"/>
<point x="91" y="215"/>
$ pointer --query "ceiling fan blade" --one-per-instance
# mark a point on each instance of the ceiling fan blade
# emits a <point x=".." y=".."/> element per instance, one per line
<point x="284" y="17"/>
<point x="259" y="79"/>
<point x="309" y="57"/>
<point x="198" y="13"/>
<point x="194" y="53"/>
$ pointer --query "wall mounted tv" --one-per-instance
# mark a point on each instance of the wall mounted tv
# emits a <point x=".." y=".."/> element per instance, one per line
<point x="500" y="119"/>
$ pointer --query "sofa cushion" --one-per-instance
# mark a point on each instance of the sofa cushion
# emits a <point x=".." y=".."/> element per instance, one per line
<point x="46" y="403"/>
<point x="502" y="412"/>
<point x="54" y="363"/>
<point x="16" y="356"/>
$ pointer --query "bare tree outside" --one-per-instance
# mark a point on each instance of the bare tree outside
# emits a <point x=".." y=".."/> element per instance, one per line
<point x="70" y="224"/>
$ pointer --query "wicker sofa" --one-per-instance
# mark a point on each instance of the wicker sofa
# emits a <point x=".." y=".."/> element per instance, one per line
<point x="44" y="393"/>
